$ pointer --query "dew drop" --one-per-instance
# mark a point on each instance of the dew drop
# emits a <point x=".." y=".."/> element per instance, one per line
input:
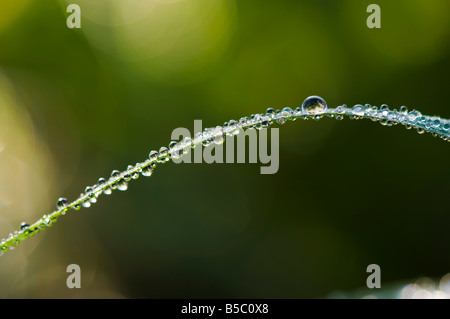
<point x="231" y="128"/>
<point x="127" y="176"/>
<point x="135" y="175"/>
<point x="175" y="150"/>
<point x="358" y="110"/>
<point x="146" y="171"/>
<point x="85" y="203"/>
<point x="265" y="122"/>
<point x="341" y="109"/>
<point x="420" y="130"/>
<point x="89" y="192"/>
<point x="172" y="144"/>
<point x="115" y="174"/>
<point x="153" y="155"/>
<point x="122" y="185"/>
<point x="413" y="116"/>
<point x="436" y="123"/>
<point x="281" y="121"/>
<point x="270" y="112"/>
<point x="163" y="155"/>
<point x="243" y="121"/>
<point x="317" y="117"/>
<point x="255" y="119"/>
<point x="392" y="116"/>
<point x="24" y="225"/>
<point x="313" y="105"/>
<point x="286" y="112"/>
<point x="403" y="110"/>
<point x="61" y="203"/>
<point x="218" y="135"/>
<point x="101" y="182"/>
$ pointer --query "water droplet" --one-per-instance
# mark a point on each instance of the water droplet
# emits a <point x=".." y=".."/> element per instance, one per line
<point x="186" y="145"/>
<point x="218" y="135"/>
<point x="392" y="116"/>
<point x="89" y="192"/>
<point x="85" y="203"/>
<point x="122" y="185"/>
<point x="107" y="191"/>
<point x="446" y="127"/>
<point x="421" y="120"/>
<point x="358" y="109"/>
<point x="313" y="105"/>
<point x="163" y="155"/>
<point x="413" y="115"/>
<point x="317" y="117"/>
<point x="175" y="150"/>
<point x="146" y="171"/>
<point x="24" y="225"/>
<point x="436" y="123"/>
<point x="265" y="122"/>
<point x="153" y="155"/>
<point x="115" y="174"/>
<point x="420" y="130"/>
<point x="255" y="119"/>
<point x="206" y="137"/>
<point x="127" y="175"/>
<point x="61" y="203"/>
<point x="172" y="144"/>
<point x="77" y="207"/>
<point x="286" y="112"/>
<point x="270" y="112"/>
<point x="342" y="109"/>
<point x="47" y="220"/>
<point x="384" y="107"/>
<point x="281" y="121"/>
<point x="135" y="175"/>
<point x="403" y="110"/>
<point x="231" y="128"/>
<point x="101" y="182"/>
<point x="243" y="121"/>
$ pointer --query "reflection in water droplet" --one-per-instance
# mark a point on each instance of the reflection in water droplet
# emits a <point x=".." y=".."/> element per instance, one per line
<point x="153" y="155"/>
<point x="122" y="185"/>
<point x="61" y="203"/>
<point x="163" y="155"/>
<point x="313" y="105"/>
<point x="24" y="225"/>
<point x="358" y="110"/>
<point x="403" y="110"/>
<point x="115" y="174"/>
<point x="146" y="171"/>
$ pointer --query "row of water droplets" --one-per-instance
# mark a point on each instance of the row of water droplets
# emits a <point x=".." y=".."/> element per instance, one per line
<point x="313" y="107"/>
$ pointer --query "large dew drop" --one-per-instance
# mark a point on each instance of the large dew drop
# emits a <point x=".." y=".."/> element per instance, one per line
<point x="314" y="105"/>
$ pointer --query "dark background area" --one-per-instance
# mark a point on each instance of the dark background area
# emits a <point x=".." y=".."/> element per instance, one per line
<point x="347" y="194"/>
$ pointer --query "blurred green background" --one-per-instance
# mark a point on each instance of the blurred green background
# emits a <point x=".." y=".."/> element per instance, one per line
<point x="77" y="103"/>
